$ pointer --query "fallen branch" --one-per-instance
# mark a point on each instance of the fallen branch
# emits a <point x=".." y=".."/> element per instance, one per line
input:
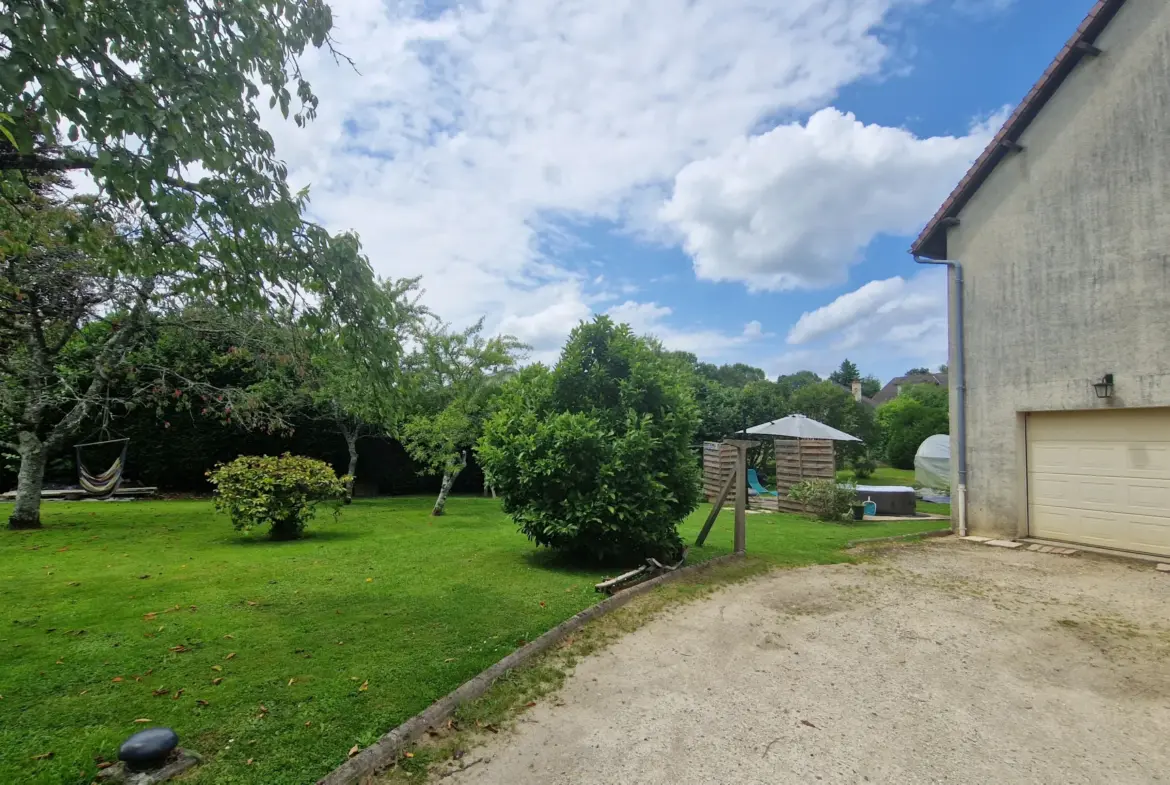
<point x="652" y="568"/>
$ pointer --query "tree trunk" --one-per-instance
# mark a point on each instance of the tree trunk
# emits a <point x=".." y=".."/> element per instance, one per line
<point x="448" y="480"/>
<point x="351" y="445"/>
<point x="33" y="458"/>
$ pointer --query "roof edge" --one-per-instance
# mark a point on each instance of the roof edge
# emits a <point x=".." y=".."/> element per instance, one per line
<point x="932" y="241"/>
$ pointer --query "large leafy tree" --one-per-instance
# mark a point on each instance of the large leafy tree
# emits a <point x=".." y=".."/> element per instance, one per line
<point x="453" y="379"/>
<point x="921" y="410"/>
<point x="159" y="103"/>
<point x="828" y="403"/>
<point x="356" y="391"/>
<point x="593" y="457"/>
<point x="790" y="383"/>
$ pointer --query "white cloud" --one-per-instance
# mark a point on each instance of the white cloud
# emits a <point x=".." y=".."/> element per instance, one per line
<point x="982" y="8"/>
<point x="466" y="139"/>
<point x="650" y="319"/>
<point x="795" y="206"/>
<point x="907" y="318"/>
<point x="844" y="311"/>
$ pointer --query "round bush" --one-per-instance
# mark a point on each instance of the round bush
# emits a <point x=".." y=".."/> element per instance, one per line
<point x="593" y="457"/>
<point x="281" y="491"/>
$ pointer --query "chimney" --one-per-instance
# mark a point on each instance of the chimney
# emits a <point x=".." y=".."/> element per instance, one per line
<point x="856" y="387"/>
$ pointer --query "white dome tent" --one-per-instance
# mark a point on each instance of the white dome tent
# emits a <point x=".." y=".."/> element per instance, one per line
<point x="932" y="463"/>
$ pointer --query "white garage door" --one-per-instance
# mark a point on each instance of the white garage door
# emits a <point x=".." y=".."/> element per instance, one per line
<point x="1101" y="478"/>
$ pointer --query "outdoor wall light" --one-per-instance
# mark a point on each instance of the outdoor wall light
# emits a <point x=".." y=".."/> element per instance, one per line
<point x="1104" y="388"/>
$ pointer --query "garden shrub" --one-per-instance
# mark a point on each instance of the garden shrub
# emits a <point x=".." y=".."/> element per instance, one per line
<point x="592" y="458"/>
<point x="826" y="499"/>
<point x="282" y="491"/>
<point x="863" y="465"/>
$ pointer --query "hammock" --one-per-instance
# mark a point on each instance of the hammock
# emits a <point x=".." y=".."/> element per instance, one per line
<point x="105" y="484"/>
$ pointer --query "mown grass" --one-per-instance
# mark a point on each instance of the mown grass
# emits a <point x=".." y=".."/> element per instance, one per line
<point x="132" y="611"/>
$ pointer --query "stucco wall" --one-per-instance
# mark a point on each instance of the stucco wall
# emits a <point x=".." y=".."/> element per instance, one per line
<point x="1066" y="255"/>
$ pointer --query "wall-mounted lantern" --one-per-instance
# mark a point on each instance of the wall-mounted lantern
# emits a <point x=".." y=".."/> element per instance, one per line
<point x="1104" y="388"/>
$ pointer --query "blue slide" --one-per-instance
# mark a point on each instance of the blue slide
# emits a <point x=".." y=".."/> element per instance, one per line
<point x="754" y="481"/>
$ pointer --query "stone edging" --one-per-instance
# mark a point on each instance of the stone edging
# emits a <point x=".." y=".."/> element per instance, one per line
<point x="931" y="533"/>
<point x="379" y="755"/>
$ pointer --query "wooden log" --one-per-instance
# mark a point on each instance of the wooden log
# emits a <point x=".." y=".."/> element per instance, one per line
<point x="741" y="498"/>
<point x="702" y="538"/>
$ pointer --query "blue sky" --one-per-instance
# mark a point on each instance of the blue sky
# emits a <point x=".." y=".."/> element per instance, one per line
<point x="740" y="178"/>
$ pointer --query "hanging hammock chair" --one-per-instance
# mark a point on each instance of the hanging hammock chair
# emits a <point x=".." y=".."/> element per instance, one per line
<point x="105" y="484"/>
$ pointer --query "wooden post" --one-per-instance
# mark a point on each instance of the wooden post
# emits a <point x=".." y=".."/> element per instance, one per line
<point x="727" y="486"/>
<point x="741" y="448"/>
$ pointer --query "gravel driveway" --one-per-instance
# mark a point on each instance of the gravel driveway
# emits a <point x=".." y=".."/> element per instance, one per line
<point x="943" y="663"/>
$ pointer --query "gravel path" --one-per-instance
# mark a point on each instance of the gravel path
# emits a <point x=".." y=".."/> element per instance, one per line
<point x="940" y="663"/>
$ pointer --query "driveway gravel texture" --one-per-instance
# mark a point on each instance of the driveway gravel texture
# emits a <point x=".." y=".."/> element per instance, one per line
<point x="937" y="662"/>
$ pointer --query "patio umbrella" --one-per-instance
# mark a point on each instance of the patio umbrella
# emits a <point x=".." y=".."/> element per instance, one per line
<point x="797" y="426"/>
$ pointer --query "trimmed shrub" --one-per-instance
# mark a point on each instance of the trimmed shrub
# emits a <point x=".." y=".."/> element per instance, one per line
<point x="593" y="457"/>
<point x="863" y="465"/>
<point x="826" y="499"/>
<point x="281" y="491"/>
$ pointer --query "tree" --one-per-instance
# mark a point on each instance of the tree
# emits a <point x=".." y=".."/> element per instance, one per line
<point x="737" y="375"/>
<point x="944" y="368"/>
<point x="870" y="386"/>
<point x="917" y="371"/>
<point x="454" y="377"/>
<point x="828" y="403"/>
<point x="792" y="382"/>
<point x="593" y="457"/>
<point x="51" y="286"/>
<point x="141" y="95"/>
<point x="846" y="374"/>
<point x="357" y="393"/>
<point x="920" y="411"/>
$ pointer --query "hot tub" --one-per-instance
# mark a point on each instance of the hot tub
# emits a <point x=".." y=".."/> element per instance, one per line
<point x="890" y="499"/>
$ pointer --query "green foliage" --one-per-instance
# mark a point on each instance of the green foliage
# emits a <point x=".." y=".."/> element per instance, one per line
<point x="736" y="375"/>
<point x="870" y="386"/>
<point x="453" y="379"/>
<point x="917" y="371"/>
<point x="830" y="404"/>
<point x="283" y="491"/>
<point x="863" y="465"/>
<point x="593" y="457"/>
<point x="826" y="499"/>
<point x="141" y="94"/>
<point x="906" y="421"/>
<point x="792" y="382"/>
<point x="846" y="374"/>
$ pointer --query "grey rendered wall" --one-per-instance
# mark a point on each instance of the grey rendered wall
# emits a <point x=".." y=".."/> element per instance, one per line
<point x="1066" y="255"/>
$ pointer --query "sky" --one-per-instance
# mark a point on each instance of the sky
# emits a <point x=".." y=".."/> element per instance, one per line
<point x="739" y="178"/>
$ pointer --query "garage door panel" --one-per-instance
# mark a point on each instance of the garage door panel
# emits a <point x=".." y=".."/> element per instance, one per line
<point x="1143" y="534"/>
<point x="1101" y="478"/>
<point x="1149" y="497"/>
<point x="1126" y="425"/>
<point x="1148" y="459"/>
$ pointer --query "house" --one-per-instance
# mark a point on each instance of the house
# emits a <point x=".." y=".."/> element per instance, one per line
<point x="1058" y="241"/>
<point x="894" y="386"/>
<point x="854" y="389"/>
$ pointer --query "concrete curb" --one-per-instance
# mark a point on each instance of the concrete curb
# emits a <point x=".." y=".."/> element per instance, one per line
<point x="932" y="533"/>
<point x="379" y="755"/>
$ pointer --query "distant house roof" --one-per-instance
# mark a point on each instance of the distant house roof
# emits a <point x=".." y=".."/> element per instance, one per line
<point x="893" y="386"/>
<point x="932" y="242"/>
<point x="849" y="390"/>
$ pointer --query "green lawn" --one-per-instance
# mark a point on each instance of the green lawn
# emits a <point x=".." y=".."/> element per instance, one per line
<point x="882" y="475"/>
<point x="320" y="644"/>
